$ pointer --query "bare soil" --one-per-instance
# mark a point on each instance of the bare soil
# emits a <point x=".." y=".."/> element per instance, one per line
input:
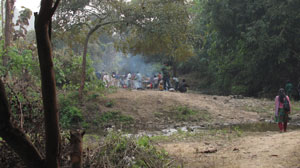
<point x="267" y="149"/>
<point x="261" y="150"/>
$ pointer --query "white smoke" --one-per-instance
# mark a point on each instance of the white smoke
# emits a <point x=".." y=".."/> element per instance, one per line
<point x="109" y="60"/>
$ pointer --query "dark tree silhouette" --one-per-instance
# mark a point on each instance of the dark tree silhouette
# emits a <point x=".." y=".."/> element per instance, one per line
<point x="42" y="26"/>
<point x="14" y="136"/>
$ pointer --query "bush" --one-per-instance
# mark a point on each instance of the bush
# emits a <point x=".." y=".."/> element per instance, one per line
<point x="70" y="115"/>
<point x="119" y="151"/>
<point x="239" y="90"/>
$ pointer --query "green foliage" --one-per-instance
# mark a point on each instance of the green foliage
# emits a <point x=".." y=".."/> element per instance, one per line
<point x="245" y="47"/>
<point x="238" y="131"/>
<point x="144" y="142"/>
<point x="109" y="103"/>
<point x="113" y="117"/>
<point x="184" y="113"/>
<point x="21" y="63"/>
<point x="119" y="151"/>
<point x="68" y="67"/>
<point x="239" y="89"/>
<point x="70" y="114"/>
<point x="161" y="30"/>
<point x="22" y="22"/>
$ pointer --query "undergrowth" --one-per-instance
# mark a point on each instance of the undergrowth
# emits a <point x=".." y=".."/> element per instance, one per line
<point x="112" y="118"/>
<point x="120" y="151"/>
<point x="185" y="113"/>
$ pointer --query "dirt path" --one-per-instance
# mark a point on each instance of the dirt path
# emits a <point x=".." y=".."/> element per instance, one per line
<point x="268" y="150"/>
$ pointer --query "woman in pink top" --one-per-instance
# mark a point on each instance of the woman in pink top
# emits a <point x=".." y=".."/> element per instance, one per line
<point x="281" y="115"/>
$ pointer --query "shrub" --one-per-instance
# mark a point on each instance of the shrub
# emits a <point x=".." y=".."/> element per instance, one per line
<point x="120" y="151"/>
<point x="70" y="115"/>
<point x="114" y="118"/>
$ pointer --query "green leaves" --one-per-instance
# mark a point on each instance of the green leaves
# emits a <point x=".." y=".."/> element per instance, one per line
<point x="248" y="44"/>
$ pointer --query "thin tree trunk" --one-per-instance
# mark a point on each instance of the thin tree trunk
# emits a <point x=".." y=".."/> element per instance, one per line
<point x="86" y="42"/>
<point x="9" y="6"/>
<point x="43" y="38"/>
<point x="174" y="67"/>
<point x="83" y="70"/>
<point x="2" y="14"/>
<point x="16" y="138"/>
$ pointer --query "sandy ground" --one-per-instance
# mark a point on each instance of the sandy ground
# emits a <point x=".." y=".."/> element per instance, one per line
<point x="268" y="150"/>
<point x="255" y="150"/>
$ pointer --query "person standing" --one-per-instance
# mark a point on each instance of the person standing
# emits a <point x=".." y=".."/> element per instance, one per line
<point x="159" y="76"/>
<point x="106" y="80"/>
<point x="282" y="110"/>
<point x="128" y="79"/>
<point x="289" y="88"/>
<point x="139" y="80"/>
<point x="298" y="89"/>
<point x="155" y="82"/>
<point x="98" y="75"/>
<point x="166" y="77"/>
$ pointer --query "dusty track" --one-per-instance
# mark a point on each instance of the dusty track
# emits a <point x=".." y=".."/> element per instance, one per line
<point x="267" y="150"/>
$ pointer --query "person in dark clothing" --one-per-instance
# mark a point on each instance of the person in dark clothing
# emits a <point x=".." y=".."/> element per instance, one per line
<point x="183" y="86"/>
<point x="289" y="88"/>
<point x="298" y="89"/>
<point x="166" y="77"/>
<point x="98" y="75"/>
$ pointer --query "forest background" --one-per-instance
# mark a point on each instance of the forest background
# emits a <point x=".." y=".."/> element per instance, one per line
<point x="230" y="47"/>
<point x="223" y="47"/>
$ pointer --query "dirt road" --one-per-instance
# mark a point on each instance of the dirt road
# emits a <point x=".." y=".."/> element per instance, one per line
<point x="267" y="150"/>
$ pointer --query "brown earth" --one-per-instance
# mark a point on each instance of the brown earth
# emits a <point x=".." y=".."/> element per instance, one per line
<point x="267" y="150"/>
<point x="252" y="150"/>
<point x="145" y="104"/>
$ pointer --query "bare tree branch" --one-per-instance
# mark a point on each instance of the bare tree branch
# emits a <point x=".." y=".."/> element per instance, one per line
<point x="16" y="138"/>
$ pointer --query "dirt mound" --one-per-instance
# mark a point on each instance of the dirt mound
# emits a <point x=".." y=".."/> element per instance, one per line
<point x="145" y="105"/>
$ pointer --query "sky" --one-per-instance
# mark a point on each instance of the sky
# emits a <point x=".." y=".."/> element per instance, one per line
<point x="31" y="4"/>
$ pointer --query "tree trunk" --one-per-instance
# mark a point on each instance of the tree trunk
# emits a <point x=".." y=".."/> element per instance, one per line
<point x="76" y="148"/>
<point x="2" y="21"/>
<point x="43" y="38"/>
<point x="83" y="70"/>
<point x="174" y="67"/>
<point x="9" y="7"/>
<point x="16" y="138"/>
<point x="86" y="42"/>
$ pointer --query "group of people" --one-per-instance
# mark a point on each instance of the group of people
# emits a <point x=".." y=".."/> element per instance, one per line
<point x="166" y="85"/>
<point x="159" y="81"/>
